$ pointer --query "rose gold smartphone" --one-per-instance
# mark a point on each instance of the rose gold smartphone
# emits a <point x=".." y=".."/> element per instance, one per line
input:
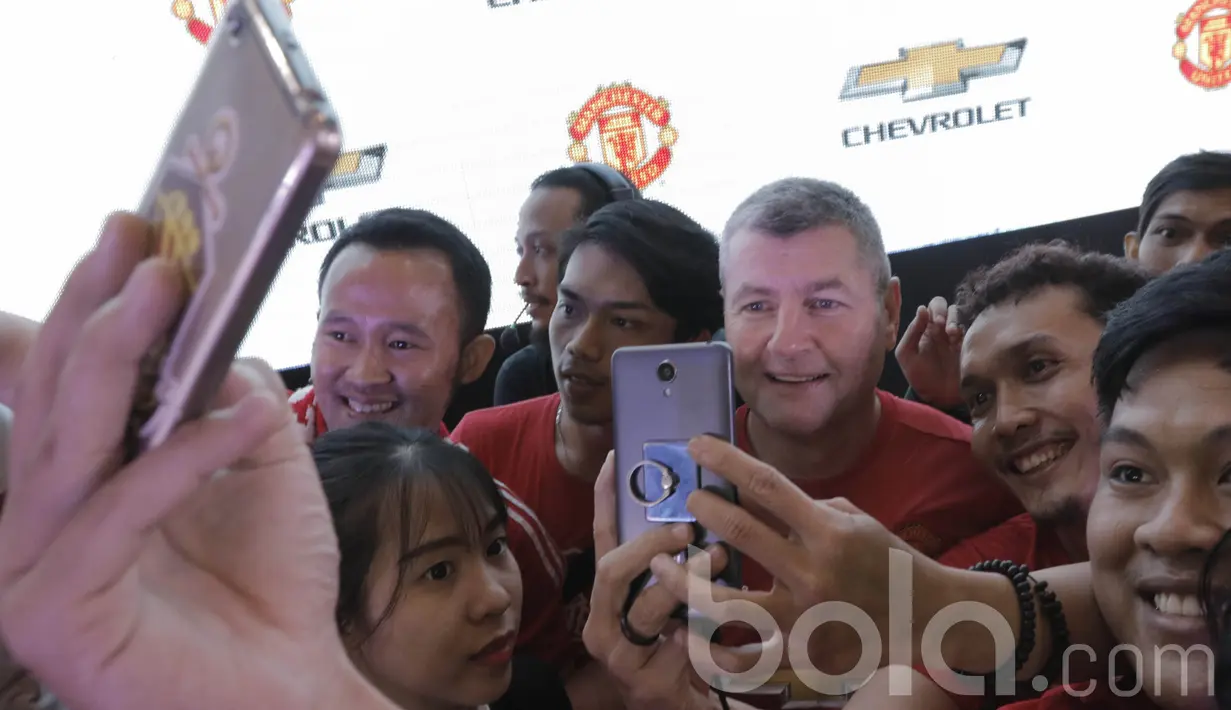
<point x="253" y="146"/>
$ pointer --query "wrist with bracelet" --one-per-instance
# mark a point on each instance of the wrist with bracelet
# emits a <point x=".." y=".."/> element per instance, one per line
<point x="1027" y="591"/>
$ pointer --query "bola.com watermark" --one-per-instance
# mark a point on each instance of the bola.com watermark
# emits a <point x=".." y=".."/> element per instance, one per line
<point x="1170" y="662"/>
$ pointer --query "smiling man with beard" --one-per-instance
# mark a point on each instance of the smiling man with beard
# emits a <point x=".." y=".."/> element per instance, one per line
<point x="1163" y="378"/>
<point x="1032" y="322"/>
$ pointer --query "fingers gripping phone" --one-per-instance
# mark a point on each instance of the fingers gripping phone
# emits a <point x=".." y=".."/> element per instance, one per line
<point x="663" y="396"/>
<point x="254" y="143"/>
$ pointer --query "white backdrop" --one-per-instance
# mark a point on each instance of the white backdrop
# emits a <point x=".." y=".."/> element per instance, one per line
<point x="473" y="101"/>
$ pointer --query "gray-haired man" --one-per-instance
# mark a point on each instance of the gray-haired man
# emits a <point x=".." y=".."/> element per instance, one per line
<point x="811" y="311"/>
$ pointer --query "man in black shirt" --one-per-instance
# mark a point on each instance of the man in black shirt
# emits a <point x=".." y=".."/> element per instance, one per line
<point x="559" y="199"/>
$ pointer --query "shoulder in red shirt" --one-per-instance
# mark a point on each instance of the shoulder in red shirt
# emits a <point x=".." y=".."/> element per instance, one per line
<point x="917" y="477"/>
<point x="1018" y="539"/>
<point x="517" y="443"/>
<point x="544" y="632"/>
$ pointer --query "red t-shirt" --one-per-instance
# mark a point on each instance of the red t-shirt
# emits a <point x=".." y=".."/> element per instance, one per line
<point x="517" y="443"/>
<point x="544" y="631"/>
<point x="917" y="477"/>
<point x="1018" y="539"/>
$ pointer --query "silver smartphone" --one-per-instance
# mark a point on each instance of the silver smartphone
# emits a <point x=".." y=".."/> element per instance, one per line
<point x="254" y="143"/>
<point x="663" y="396"/>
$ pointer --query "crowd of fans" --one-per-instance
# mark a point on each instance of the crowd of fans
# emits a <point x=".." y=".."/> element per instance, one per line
<point x="1062" y="458"/>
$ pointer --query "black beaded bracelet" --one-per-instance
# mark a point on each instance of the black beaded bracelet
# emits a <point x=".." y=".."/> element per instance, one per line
<point x="1054" y="611"/>
<point x="1019" y="575"/>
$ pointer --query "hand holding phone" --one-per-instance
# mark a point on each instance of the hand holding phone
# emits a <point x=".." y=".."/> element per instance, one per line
<point x="664" y="396"/>
<point x="253" y="146"/>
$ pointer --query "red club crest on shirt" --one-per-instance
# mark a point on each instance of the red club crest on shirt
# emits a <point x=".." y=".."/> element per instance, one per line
<point x="922" y="539"/>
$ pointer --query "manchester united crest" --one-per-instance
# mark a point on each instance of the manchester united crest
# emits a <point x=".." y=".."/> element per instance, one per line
<point x="201" y="28"/>
<point x="622" y="113"/>
<point x="1208" y="63"/>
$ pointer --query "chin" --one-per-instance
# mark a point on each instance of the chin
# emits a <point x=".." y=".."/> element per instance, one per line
<point x="483" y="688"/>
<point x="796" y="421"/>
<point x="589" y="416"/>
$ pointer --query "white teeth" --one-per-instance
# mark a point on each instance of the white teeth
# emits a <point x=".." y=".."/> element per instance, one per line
<point x="377" y="408"/>
<point x="1177" y="604"/>
<point x="794" y="380"/>
<point x="1040" y="458"/>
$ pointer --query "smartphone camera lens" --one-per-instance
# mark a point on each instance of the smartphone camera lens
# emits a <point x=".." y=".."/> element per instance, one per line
<point x="666" y="372"/>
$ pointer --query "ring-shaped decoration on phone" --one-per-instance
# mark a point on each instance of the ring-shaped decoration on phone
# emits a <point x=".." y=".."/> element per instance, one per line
<point x="670" y="481"/>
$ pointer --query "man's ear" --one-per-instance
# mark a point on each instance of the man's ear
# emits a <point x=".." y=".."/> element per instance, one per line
<point x="892" y="303"/>
<point x="703" y="337"/>
<point x="1132" y="244"/>
<point x="475" y="358"/>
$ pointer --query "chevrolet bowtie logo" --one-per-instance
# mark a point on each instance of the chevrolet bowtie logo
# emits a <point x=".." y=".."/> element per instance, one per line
<point x="355" y="168"/>
<point x="932" y="71"/>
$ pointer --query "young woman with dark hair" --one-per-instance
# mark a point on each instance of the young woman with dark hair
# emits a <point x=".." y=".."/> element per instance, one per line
<point x="429" y="595"/>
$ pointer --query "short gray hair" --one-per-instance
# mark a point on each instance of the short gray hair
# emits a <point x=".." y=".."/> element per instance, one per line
<point x="787" y="207"/>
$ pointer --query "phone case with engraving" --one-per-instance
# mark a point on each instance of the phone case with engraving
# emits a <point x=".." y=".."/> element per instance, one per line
<point x="253" y="145"/>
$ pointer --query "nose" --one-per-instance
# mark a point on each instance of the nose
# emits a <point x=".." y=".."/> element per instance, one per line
<point x="1012" y="412"/>
<point x="523" y="275"/>
<point x="587" y="341"/>
<point x="790" y="332"/>
<point x="1189" y="520"/>
<point x="491" y="595"/>
<point x="369" y="366"/>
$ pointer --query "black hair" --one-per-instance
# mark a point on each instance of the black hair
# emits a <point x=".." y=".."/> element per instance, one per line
<point x="376" y="473"/>
<point x="1188" y="299"/>
<point x="400" y="229"/>
<point x="675" y="257"/>
<point x="1195" y="172"/>
<point x="1102" y="280"/>
<point x="593" y="191"/>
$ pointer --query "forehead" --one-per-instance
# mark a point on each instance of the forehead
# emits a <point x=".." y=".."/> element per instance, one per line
<point x="821" y="253"/>
<point x="549" y="208"/>
<point x="1196" y="205"/>
<point x="1053" y="312"/>
<point x="436" y="508"/>
<point x="596" y="274"/>
<point x="386" y="282"/>
<point x="1177" y="392"/>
